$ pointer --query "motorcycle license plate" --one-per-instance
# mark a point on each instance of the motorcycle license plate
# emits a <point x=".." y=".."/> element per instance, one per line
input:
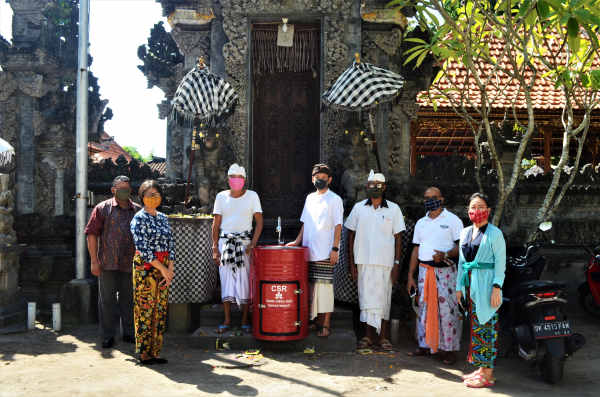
<point x="552" y="329"/>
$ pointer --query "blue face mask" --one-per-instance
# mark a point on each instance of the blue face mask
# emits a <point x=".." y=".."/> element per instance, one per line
<point x="432" y="204"/>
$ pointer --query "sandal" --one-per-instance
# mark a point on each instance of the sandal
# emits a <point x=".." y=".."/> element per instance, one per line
<point x="221" y="329"/>
<point x="479" y="381"/>
<point x="419" y="352"/>
<point x="364" y="343"/>
<point x="322" y="333"/>
<point x="471" y="375"/>
<point x="386" y="345"/>
<point x="449" y="358"/>
<point x="247" y="328"/>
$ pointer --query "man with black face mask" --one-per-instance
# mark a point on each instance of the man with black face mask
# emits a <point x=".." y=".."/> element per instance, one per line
<point x="321" y="230"/>
<point x="435" y="240"/>
<point x="374" y="250"/>
<point x="111" y="249"/>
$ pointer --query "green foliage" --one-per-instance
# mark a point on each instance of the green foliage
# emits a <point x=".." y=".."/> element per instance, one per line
<point x="133" y="152"/>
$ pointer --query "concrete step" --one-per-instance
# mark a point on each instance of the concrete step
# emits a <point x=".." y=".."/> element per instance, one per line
<point x="212" y="316"/>
<point x="340" y="340"/>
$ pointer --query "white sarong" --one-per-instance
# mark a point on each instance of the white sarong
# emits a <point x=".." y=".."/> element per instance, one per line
<point x="374" y="294"/>
<point x="235" y="285"/>
<point x="321" y="298"/>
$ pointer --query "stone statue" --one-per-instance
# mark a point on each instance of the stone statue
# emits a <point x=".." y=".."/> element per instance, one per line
<point x="356" y="168"/>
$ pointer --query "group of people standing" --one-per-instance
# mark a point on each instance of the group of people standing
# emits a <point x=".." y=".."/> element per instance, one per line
<point x="460" y="270"/>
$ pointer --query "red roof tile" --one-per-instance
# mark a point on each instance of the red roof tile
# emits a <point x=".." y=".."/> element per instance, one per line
<point x="106" y="148"/>
<point x="504" y="90"/>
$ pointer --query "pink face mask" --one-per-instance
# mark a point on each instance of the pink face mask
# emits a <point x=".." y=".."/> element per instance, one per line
<point x="236" y="183"/>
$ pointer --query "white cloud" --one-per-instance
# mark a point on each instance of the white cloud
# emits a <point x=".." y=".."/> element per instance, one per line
<point x="5" y="20"/>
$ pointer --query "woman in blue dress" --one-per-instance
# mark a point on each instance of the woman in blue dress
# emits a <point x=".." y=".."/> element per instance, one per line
<point x="481" y="268"/>
<point x="152" y="273"/>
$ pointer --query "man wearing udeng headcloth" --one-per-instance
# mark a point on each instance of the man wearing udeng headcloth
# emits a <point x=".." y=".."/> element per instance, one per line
<point x="233" y="242"/>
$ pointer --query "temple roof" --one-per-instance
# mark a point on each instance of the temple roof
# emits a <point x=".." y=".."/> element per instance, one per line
<point x="106" y="148"/>
<point x="506" y="91"/>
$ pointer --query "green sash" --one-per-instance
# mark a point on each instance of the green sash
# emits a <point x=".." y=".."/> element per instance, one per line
<point x="473" y="265"/>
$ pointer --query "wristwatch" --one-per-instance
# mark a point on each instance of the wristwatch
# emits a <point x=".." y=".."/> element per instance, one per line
<point x="396" y="262"/>
<point x="336" y="249"/>
<point x="497" y="286"/>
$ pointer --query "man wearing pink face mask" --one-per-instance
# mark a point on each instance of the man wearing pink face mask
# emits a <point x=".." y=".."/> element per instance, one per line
<point x="233" y="241"/>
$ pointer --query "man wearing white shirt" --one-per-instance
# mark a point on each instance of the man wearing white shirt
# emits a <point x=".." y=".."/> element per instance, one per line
<point x="436" y="241"/>
<point x="321" y="230"/>
<point x="375" y="247"/>
<point x="233" y="242"/>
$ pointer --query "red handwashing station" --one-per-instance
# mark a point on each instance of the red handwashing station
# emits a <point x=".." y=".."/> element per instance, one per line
<point x="280" y="293"/>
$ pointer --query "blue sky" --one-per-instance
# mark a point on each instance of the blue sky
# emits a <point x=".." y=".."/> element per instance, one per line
<point x="117" y="28"/>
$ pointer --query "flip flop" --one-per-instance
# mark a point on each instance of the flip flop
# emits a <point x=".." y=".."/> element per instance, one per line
<point x="221" y="329"/>
<point x="449" y="358"/>
<point x="386" y="345"/>
<point x="364" y="343"/>
<point x="419" y="352"/>
<point x="321" y="335"/>
<point x="479" y="381"/>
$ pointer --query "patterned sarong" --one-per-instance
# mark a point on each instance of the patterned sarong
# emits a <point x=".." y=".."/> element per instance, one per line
<point x="483" y="349"/>
<point x="149" y="305"/>
<point x="321" y="271"/>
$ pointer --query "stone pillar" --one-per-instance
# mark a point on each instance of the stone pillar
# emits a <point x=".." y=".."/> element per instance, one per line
<point x="13" y="309"/>
<point x="26" y="157"/>
<point x="403" y="113"/>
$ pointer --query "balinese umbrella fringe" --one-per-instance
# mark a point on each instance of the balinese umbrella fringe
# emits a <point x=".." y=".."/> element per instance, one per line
<point x="7" y="163"/>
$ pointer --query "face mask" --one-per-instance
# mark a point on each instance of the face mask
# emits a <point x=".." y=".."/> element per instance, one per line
<point x="432" y="204"/>
<point x="479" y="216"/>
<point x="152" y="202"/>
<point x="374" y="192"/>
<point x="236" y="183"/>
<point x="320" y="184"/>
<point x="122" y="194"/>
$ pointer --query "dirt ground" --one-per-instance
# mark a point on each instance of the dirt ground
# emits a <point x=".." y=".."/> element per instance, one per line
<point x="71" y="363"/>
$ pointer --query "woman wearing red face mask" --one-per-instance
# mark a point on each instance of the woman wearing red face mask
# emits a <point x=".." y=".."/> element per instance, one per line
<point x="152" y="273"/>
<point x="481" y="267"/>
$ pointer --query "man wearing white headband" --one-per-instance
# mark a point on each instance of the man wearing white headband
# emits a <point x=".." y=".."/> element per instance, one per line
<point x="374" y="250"/>
<point x="233" y="241"/>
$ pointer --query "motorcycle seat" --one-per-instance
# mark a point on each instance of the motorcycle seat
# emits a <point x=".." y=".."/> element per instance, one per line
<point x="535" y="286"/>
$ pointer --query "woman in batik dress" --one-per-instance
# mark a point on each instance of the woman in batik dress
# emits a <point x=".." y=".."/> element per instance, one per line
<point x="481" y="268"/>
<point x="152" y="274"/>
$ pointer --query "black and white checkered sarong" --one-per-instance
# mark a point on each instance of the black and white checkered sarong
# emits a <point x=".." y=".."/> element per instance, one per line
<point x="233" y="251"/>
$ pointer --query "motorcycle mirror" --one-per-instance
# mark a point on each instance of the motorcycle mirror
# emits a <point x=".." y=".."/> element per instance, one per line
<point x="545" y="226"/>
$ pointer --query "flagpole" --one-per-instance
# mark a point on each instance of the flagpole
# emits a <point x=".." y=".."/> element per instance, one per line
<point x="81" y="196"/>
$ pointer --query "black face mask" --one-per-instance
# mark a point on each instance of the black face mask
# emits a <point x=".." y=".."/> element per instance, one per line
<point x="374" y="192"/>
<point x="432" y="204"/>
<point x="320" y="184"/>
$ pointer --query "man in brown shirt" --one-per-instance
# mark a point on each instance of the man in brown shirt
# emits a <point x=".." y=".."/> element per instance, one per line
<point x="111" y="249"/>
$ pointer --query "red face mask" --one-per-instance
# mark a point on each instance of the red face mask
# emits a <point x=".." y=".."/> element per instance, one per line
<point x="479" y="215"/>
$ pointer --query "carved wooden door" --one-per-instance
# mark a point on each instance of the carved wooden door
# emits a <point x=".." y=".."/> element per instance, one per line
<point x="285" y="141"/>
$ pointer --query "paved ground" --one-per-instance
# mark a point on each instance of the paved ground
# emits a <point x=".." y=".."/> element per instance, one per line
<point x="70" y="363"/>
<point x="43" y="362"/>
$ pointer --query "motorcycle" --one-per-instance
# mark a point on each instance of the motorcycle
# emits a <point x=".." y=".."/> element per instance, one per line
<point x="532" y="316"/>
<point x="589" y="291"/>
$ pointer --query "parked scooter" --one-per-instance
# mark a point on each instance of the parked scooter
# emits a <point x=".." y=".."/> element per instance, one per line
<point x="532" y="314"/>
<point x="589" y="291"/>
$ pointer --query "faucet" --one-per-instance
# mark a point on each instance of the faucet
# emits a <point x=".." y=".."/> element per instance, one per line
<point x="279" y="231"/>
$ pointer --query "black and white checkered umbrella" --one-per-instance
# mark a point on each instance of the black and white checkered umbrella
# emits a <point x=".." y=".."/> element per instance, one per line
<point x="203" y="97"/>
<point x="7" y="157"/>
<point x="363" y="86"/>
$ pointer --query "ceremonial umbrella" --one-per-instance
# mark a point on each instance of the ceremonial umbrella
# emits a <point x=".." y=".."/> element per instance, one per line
<point x="7" y="157"/>
<point x="203" y="100"/>
<point x="363" y="86"/>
